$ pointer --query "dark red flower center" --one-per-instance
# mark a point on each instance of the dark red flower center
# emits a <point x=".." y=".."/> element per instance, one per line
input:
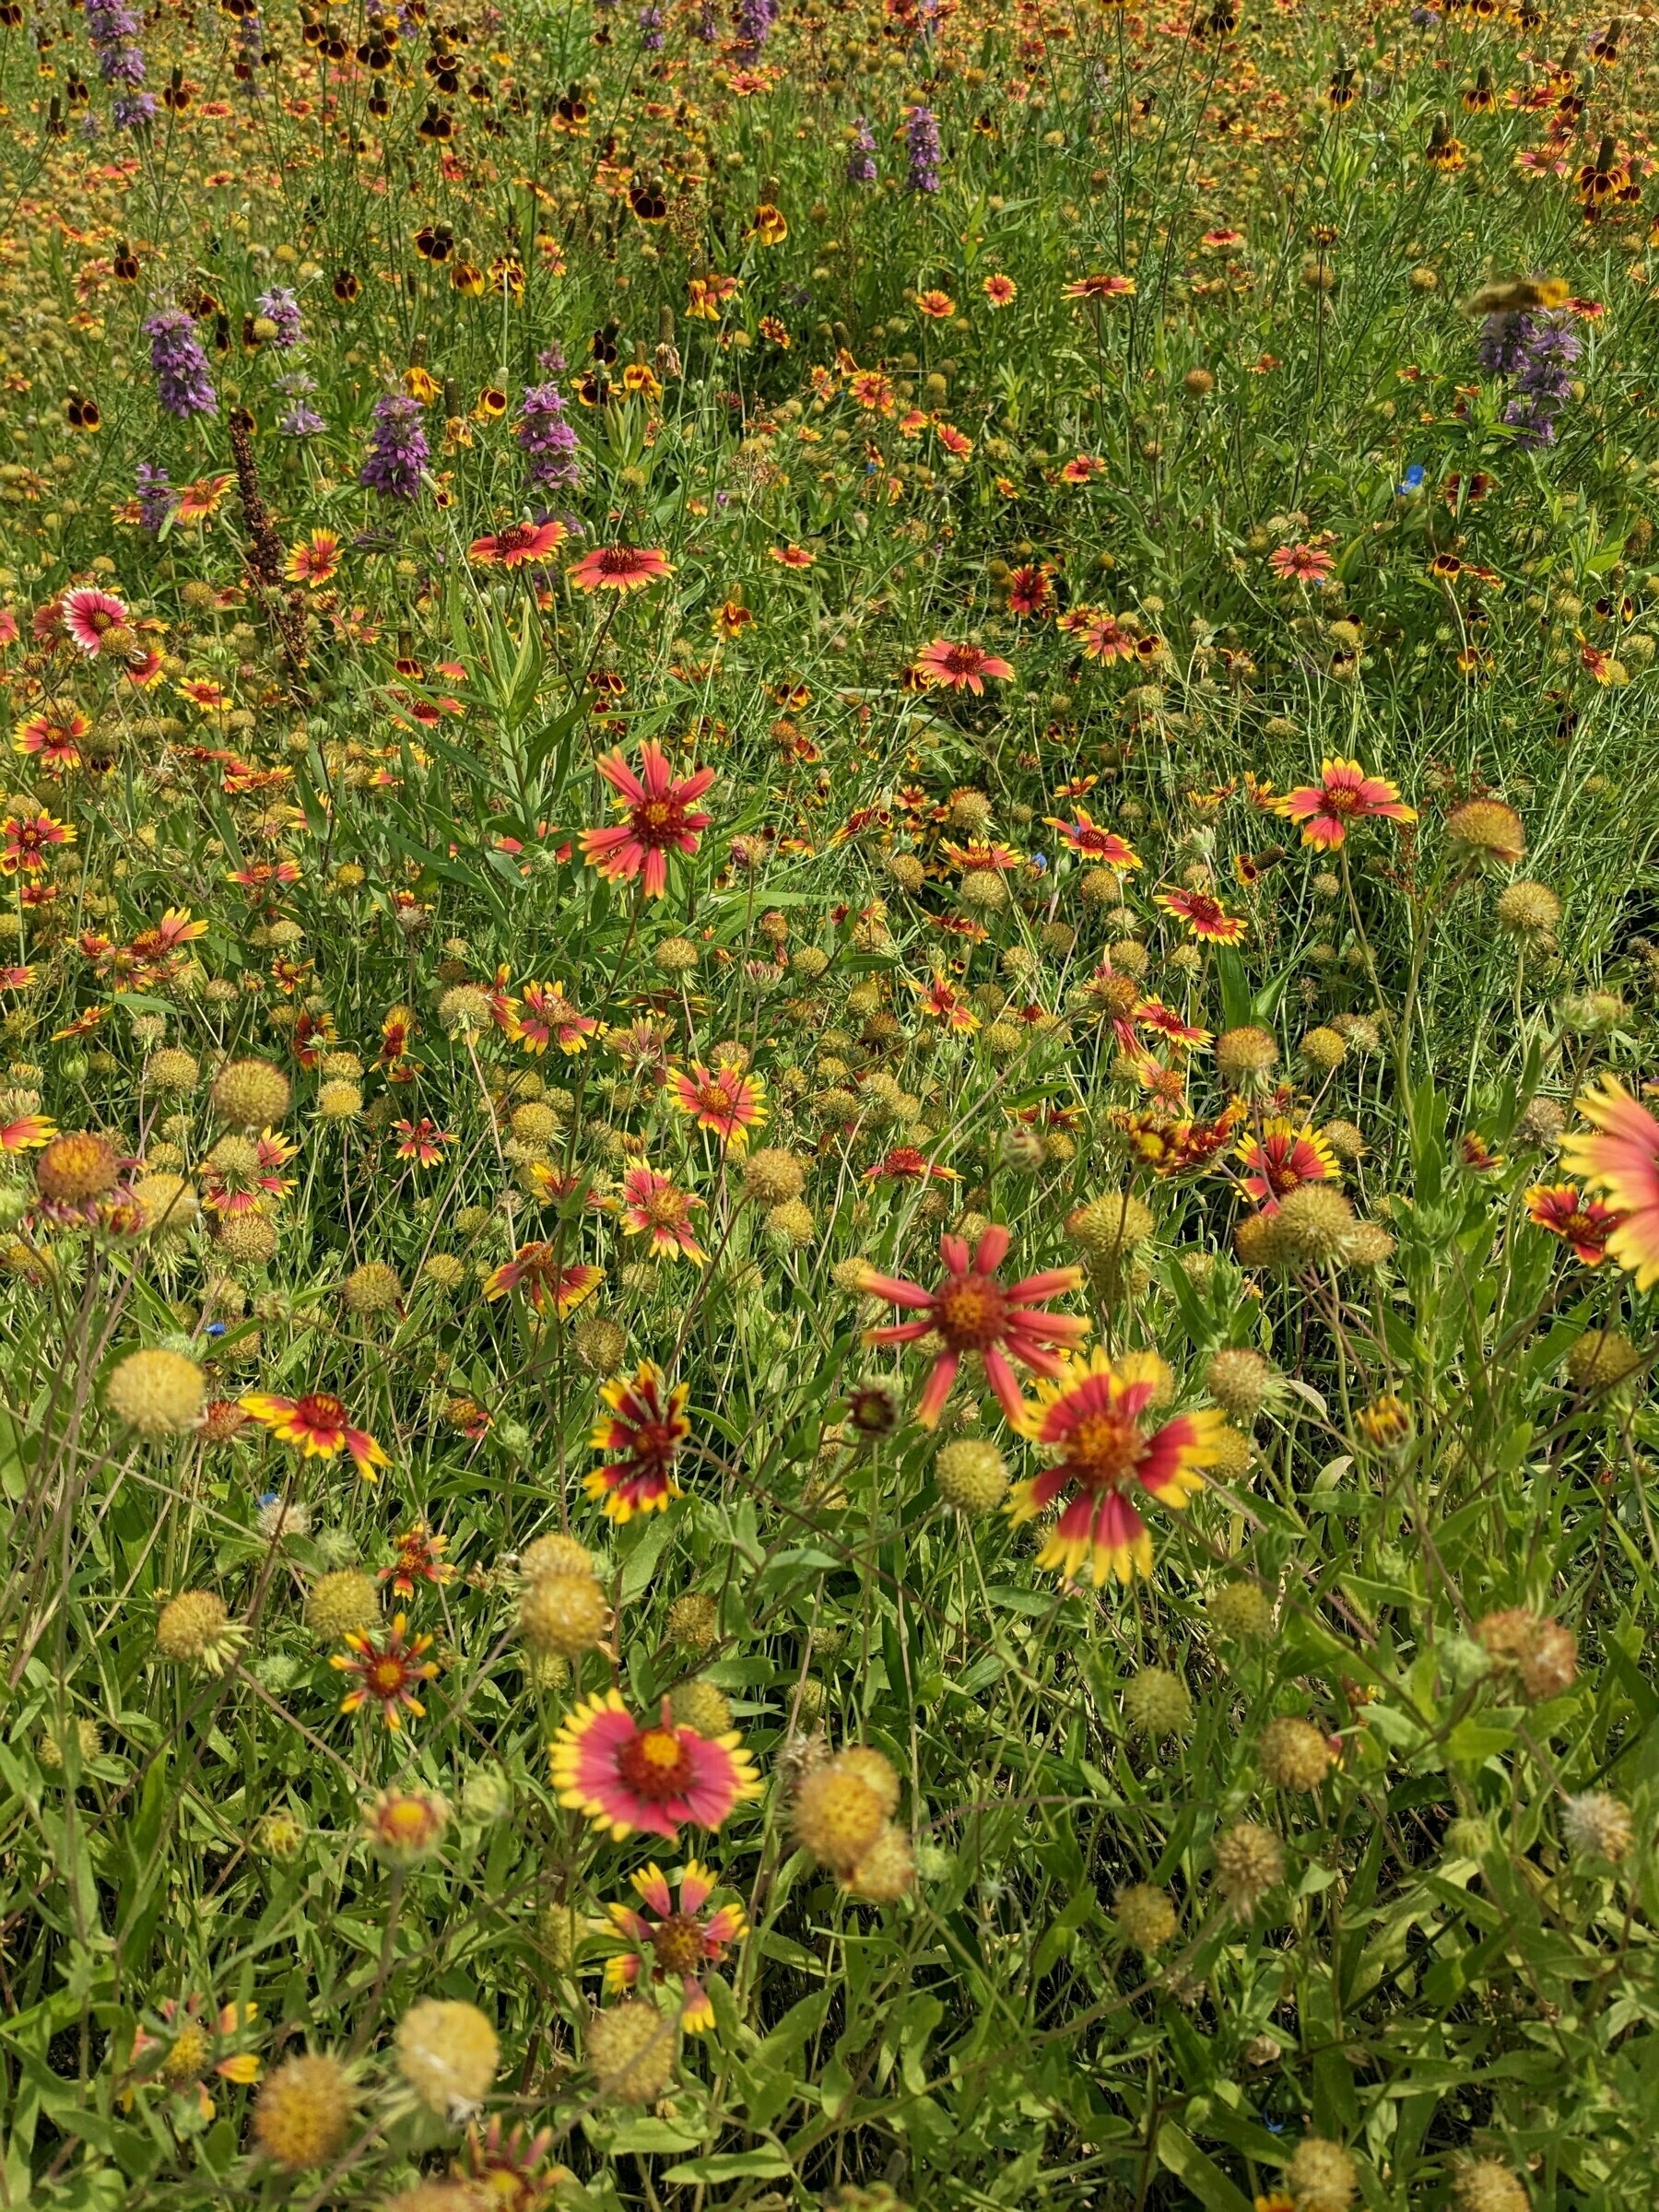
<point x="659" y="822"/>
<point x="621" y="560"/>
<point x="677" y="1944"/>
<point x="320" y="1410"/>
<point x="972" y="1312"/>
<point x="656" y="1765"/>
<point x="386" y="1675"/>
<point x="1103" y="1448"/>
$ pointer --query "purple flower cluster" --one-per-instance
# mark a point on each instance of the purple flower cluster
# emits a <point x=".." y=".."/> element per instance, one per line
<point x="112" y="28"/>
<point x="303" y="419"/>
<point x="650" y="29"/>
<point x="922" y="144"/>
<point x="861" y="157"/>
<point x="183" y="383"/>
<point x="280" y="306"/>
<point x="155" y="496"/>
<point x="755" y="20"/>
<point x="547" y="442"/>
<point x="1536" y="353"/>
<point x="397" y="449"/>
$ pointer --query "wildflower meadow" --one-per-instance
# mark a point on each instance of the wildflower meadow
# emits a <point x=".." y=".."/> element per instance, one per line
<point x="828" y="1106"/>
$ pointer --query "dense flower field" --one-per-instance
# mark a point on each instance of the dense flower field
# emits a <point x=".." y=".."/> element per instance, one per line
<point x="829" y="1178"/>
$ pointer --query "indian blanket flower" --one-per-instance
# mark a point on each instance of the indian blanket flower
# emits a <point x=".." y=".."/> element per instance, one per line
<point x="386" y="1669"/>
<point x="941" y="1001"/>
<point x="318" y="1426"/>
<point x="183" y="383"/>
<point x="1281" y="1158"/>
<point x="53" y="736"/>
<point x="673" y="1938"/>
<point x="26" y="839"/>
<point x="1203" y="914"/>
<point x="1091" y="1418"/>
<point x="419" y="1558"/>
<point x="1100" y="286"/>
<point x="516" y="544"/>
<point x="185" y="2048"/>
<point x="547" y="1017"/>
<point x="422" y="1141"/>
<point x="89" y="617"/>
<point x="397" y="449"/>
<point x="545" y="1280"/>
<point x="971" y="1310"/>
<point x="315" y="560"/>
<point x="643" y="1426"/>
<point x="1344" y="793"/>
<point x="1620" y="1158"/>
<point x="1101" y="848"/>
<point x="654" y="1205"/>
<point x="1301" y="564"/>
<point x="725" y="1099"/>
<point x="662" y="817"/>
<point x="619" y="569"/>
<point x="1585" y="1224"/>
<point x="961" y="667"/>
<point x="658" y="1778"/>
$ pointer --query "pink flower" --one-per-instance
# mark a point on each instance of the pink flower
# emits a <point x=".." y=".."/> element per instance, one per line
<point x="660" y="818"/>
<point x="961" y="667"/>
<point x="626" y="1777"/>
<point x="973" y="1312"/>
<point x="1301" y="564"/>
<point x="89" y="616"/>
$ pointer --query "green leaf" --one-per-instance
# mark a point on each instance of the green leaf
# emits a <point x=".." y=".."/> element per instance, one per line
<point x="731" y="2165"/>
<point x="1179" y="2155"/>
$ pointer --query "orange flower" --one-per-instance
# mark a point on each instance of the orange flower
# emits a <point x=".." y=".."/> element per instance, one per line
<point x="660" y="818"/>
<point x="1000" y="290"/>
<point x="938" y="307"/>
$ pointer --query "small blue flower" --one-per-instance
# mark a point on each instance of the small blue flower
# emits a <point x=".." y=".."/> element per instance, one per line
<point x="216" y="1328"/>
<point x="266" y="1497"/>
<point x="1412" y="481"/>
